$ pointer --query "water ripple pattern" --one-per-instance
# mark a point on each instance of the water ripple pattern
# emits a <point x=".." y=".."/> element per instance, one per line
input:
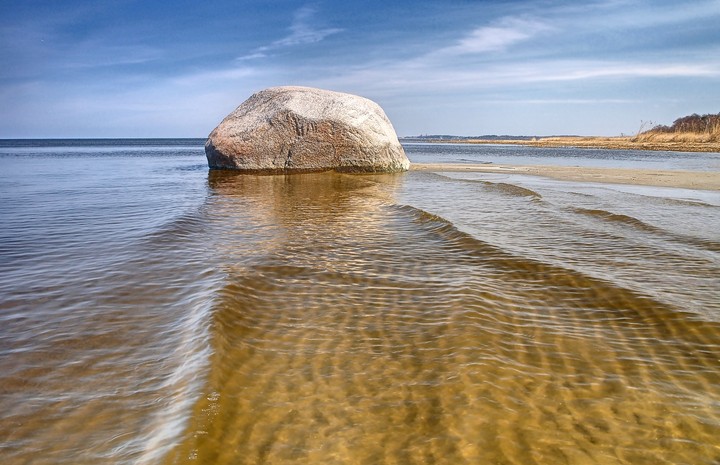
<point x="152" y="311"/>
<point x="363" y="330"/>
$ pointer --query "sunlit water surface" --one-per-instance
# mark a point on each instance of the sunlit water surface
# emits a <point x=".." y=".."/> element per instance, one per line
<point x="155" y="312"/>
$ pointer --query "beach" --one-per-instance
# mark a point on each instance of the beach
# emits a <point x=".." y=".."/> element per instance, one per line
<point x="707" y="180"/>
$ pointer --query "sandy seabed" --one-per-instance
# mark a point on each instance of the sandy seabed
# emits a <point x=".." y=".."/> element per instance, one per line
<point x="705" y="180"/>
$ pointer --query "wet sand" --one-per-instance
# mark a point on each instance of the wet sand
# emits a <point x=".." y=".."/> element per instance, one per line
<point x="705" y="180"/>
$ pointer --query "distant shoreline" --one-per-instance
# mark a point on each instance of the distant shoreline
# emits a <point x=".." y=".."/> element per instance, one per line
<point x="612" y="143"/>
<point x="703" y="180"/>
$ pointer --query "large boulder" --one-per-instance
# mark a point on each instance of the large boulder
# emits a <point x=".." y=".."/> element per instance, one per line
<point x="301" y="129"/>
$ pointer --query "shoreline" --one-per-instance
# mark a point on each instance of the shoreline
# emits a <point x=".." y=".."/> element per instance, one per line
<point x="610" y="143"/>
<point x="702" y="180"/>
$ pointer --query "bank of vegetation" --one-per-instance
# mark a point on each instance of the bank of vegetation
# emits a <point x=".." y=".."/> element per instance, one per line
<point x="693" y="133"/>
<point x="693" y="128"/>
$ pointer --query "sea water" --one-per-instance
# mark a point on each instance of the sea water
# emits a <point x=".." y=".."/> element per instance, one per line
<point x="153" y="311"/>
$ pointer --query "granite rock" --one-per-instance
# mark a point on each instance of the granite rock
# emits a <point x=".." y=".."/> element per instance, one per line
<point x="303" y="129"/>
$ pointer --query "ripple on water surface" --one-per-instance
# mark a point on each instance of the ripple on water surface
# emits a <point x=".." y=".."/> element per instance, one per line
<point x="153" y="311"/>
<point x="360" y="331"/>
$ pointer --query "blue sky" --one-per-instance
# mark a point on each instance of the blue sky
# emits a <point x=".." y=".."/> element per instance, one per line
<point x="129" y="68"/>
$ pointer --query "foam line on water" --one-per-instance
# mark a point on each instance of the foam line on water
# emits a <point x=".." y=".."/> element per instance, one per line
<point x="182" y="386"/>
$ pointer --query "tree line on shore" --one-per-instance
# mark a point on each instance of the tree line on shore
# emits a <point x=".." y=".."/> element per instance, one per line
<point x="693" y="123"/>
<point x="699" y="128"/>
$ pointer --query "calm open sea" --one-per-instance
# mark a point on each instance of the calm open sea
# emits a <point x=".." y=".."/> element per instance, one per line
<point x="155" y="312"/>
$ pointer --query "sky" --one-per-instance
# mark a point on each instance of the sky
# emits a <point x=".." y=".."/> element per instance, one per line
<point x="144" y="68"/>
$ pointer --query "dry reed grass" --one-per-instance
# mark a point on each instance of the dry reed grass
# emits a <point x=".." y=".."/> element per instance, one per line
<point x="687" y="137"/>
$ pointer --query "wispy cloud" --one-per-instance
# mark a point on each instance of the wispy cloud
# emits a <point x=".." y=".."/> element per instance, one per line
<point x="566" y="101"/>
<point x="100" y="53"/>
<point x="581" y="70"/>
<point x="204" y="78"/>
<point x="531" y="49"/>
<point x="302" y="32"/>
<point x="469" y="67"/>
<point x="383" y="79"/>
<point x="495" y="38"/>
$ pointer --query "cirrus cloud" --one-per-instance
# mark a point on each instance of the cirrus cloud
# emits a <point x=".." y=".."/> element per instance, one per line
<point x="302" y="32"/>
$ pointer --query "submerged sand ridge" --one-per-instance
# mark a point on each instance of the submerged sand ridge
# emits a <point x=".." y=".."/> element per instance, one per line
<point x="705" y="180"/>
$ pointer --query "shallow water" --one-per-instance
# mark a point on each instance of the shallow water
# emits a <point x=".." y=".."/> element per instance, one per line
<point x="561" y="156"/>
<point x="155" y="312"/>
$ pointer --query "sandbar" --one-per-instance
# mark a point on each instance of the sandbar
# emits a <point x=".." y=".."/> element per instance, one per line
<point x="595" y="142"/>
<point x="704" y="180"/>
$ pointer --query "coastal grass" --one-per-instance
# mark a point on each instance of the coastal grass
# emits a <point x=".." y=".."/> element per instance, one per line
<point x="710" y="136"/>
